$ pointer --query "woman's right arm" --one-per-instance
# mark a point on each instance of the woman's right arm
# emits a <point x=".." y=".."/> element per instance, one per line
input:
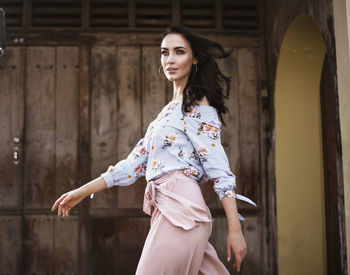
<point x="68" y="200"/>
<point x="125" y="172"/>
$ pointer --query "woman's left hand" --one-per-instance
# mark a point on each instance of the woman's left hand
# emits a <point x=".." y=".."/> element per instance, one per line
<point x="237" y="243"/>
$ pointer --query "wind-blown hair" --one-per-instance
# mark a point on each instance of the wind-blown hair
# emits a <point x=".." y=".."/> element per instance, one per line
<point x="208" y="81"/>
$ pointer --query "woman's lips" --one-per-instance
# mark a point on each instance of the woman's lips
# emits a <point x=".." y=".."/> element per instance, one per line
<point x="172" y="71"/>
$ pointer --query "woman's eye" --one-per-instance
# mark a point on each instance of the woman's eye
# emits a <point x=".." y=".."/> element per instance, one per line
<point x="180" y="51"/>
<point x="163" y="52"/>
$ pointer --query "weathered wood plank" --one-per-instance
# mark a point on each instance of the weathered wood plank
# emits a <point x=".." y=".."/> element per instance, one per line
<point x="129" y="118"/>
<point x="38" y="246"/>
<point x="252" y="230"/>
<point x="131" y="235"/>
<point x="39" y="171"/>
<point x="249" y="119"/>
<point x="84" y="155"/>
<point x="154" y="95"/>
<point x="67" y="119"/>
<point x="10" y="244"/>
<point x="218" y="239"/>
<point x="117" y="244"/>
<point x="230" y="132"/>
<point x="104" y="123"/>
<point x="11" y="126"/>
<point x="66" y="245"/>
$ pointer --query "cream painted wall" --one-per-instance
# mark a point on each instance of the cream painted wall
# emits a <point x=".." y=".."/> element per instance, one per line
<point x="342" y="43"/>
<point x="299" y="163"/>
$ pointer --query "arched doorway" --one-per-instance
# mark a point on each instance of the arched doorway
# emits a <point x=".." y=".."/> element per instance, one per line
<point x="300" y="198"/>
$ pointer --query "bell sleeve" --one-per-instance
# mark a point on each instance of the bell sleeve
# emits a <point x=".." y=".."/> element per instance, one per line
<point x="203" y="129"/>
<point x="128" y="170"/>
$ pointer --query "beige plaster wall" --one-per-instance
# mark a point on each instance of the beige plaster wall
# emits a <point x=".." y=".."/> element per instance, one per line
<point x="342" y="43"/>
<point x="299" y="163"/>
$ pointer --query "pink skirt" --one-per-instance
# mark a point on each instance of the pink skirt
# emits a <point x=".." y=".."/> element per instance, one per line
<point x="181" y="224"/>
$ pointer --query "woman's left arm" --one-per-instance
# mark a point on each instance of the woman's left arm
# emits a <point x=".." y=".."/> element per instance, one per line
<point x="235" y="238"/>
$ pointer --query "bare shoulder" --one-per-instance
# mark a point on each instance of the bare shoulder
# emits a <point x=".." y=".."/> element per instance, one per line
<point x="203" y="101"/>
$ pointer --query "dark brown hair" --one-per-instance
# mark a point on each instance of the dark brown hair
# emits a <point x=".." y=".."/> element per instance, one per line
<point x="208" y="81"/>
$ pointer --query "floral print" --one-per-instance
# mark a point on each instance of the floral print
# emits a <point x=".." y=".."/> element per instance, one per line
<point x="203" y="153"/>
<point x="139" y="151"/>
<point x="156" y="165"/>
<point x="183" y="141"/>
<point x="181" y="153"/>
<point x="209" y="129"/>
<point x="191" y="171"/>
<point x="169" y="140"/>
<point x="194" y="112"/>
<point x="140" y="169"/>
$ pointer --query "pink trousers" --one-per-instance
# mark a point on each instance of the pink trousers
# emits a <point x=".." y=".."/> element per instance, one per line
<point x="181" y="224"/>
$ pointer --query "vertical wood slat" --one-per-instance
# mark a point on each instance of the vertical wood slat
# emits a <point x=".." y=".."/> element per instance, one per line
<point x="252" y="231"/>
<point x="218" y="239"/>
<point x="84" y="155"/>
<point x="176" y="11"/>
<point x="10" y="244"/>
<point x="117" y="244"/>
<point x="218" y="15"/>
<point x="104" y="119"/>
<point x="65" y="244"/>
<point x="11" y="125"/>
<point x="129" y="118"/>
<point x="67" y="119"/>
<point x="153" y="86"/>
<point x="230" y="134"/>
<point x="27" y="14"/>
<point x="39" y="170"/>
<point x="85" y="14"/>
<point x="103" y="258"/>
<point x="132" y="13"/>
<point x="249" y="125"/>
<point x="131" y="234"/>
<point x="38" y="256"/>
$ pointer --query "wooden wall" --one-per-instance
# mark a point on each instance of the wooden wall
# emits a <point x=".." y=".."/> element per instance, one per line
<point x="77" y="109"/>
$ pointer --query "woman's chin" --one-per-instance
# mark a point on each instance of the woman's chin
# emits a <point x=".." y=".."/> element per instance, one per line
<point x="171" y="78"/>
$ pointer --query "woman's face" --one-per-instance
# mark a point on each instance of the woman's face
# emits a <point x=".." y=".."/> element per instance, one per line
<point x="176" y="57"/>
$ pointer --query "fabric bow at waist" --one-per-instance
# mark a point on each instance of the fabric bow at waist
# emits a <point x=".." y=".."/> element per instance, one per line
<point x="176" y="209"/>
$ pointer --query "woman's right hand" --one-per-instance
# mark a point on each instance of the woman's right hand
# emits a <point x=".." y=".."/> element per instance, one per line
<point x="67" y="201"/>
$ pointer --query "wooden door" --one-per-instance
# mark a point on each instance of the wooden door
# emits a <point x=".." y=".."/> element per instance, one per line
<point x="39" y="127"/>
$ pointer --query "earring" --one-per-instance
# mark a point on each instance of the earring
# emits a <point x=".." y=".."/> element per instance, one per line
<point x="159" y="72"/>
<point x="195" y="68"/>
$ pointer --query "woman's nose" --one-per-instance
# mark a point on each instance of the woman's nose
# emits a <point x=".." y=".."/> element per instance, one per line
<point x="170" y="58"/>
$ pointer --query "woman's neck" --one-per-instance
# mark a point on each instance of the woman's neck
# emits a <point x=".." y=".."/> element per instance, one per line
<point x="178" y="88"/>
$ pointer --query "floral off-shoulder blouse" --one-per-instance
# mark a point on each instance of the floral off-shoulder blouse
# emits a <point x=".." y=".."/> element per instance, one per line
<point x="176" y="141"/>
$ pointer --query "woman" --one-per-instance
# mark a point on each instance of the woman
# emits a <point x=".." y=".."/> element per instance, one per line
<point x="181" y="148"/>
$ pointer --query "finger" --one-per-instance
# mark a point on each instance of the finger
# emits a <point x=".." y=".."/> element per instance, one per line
<point x="60" y="210"/>
<point x="63" y="206"/>
<point x="239" y="261"/>
<point x="234" y="264"/>
<point x="58" y="202"/>
<point x="228" y="251"/>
